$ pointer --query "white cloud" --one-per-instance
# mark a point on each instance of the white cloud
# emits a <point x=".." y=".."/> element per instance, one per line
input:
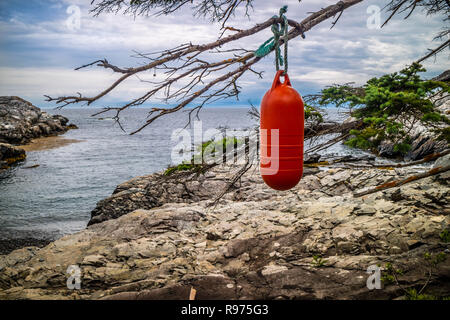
<point x="327" y="77"/>
<point x="348" y="52"/>
<point x="109" y="32"/>
<point x="32" y="82"/>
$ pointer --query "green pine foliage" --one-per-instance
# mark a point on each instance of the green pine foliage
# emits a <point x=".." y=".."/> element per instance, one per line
<point x="209" y="148"/>
<point x="382" y="103"/>
<point x="312" y="114"/>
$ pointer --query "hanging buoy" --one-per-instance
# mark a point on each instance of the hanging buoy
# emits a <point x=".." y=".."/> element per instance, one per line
<point x="281" y="135"/>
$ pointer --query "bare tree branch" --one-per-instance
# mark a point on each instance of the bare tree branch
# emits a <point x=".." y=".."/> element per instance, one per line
<point x="216" y="10"/>
<point x="431" y="7"/>
<point x="399" y="183"/>
<point x="435" y="51"/>
<point x="184" y="63"/>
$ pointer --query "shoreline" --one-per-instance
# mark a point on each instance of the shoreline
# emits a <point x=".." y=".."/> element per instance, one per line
<point x="9" y="245"/>
<point x="48" y="143"/>
<point x="24" y="127"/>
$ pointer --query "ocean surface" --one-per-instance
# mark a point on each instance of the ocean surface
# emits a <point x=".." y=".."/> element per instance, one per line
<point x="56" y="197"/>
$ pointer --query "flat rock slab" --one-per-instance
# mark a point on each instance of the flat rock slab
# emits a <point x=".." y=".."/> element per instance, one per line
<point x="313" y="242"/>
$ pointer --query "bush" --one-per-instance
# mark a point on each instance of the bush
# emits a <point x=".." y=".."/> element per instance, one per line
<point x="385" y="103"/>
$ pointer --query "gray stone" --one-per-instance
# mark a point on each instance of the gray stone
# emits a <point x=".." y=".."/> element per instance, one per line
<point x="157" y="241"/>
<point x="365" y="210"/>
<point x="20" y="121"/>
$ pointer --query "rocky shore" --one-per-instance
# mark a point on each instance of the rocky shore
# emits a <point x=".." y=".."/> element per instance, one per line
<point x="423" y="140"/>
<point x="20" y="122"/>
<point x="157" y="236"/>
<point x="9" y="155"/>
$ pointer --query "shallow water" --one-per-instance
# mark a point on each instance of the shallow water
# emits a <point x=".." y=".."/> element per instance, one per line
<point x="47" y="143"/>
<point x="56" y="197"/>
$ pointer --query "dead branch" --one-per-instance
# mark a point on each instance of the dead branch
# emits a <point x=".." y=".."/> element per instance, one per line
<point x="232" y="182"/>
<point x="399" y="183"/>
<point x="327" y="144"/>
<point x="435" y="51"/>
<point x="192" y="294"/>
<point x="426" y="159"/>
<point x="344" y="129"/>
<point x="409" y="6"/>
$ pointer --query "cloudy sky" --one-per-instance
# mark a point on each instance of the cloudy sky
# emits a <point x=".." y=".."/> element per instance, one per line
<point x="40" y="47"/>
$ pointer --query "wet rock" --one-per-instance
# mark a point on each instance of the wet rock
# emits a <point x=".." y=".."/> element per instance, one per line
<point x="10" y="155"/>
<point x="9" y="245"/>
<point x="311" y="158"/>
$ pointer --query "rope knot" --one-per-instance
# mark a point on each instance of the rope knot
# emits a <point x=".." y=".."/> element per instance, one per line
<point x="279" y="29"/>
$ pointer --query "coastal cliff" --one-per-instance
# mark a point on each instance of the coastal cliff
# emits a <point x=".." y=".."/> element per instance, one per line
<point x="313" y="242"/>
<point x="20" y="122"/>
<point x="157" y="236"/>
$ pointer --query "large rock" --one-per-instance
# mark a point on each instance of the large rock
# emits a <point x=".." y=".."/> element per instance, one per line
<point x="423" y="141"/>
<point x="154" y="190"/>
<point x="20" y="121"/>
<point x="256" y="243"/>
<point x="9" y="155"/>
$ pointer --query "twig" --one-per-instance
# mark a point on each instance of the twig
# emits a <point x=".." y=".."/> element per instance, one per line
<point x="192" y="293"/>
<point x="231" y="183"/>
<point x="394" y="184"/>
<point x="435" y="51"/>
<point x="327" y="144"/>
<point x="185" y="63"/>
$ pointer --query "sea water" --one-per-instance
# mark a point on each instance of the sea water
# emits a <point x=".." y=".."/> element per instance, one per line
<point x="56" y="197"/>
